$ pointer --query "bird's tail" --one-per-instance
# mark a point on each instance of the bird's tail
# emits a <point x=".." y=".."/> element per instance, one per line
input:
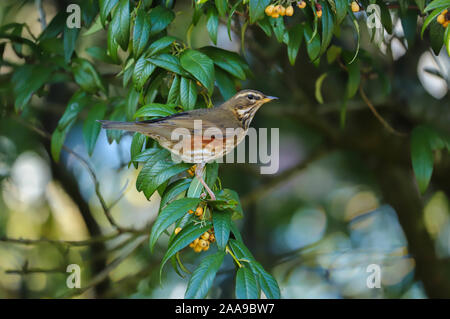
<point x="127" y="126"/>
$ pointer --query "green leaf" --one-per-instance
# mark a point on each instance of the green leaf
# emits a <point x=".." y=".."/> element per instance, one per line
<point x="137" y="144"/>
<point x="422" y="155"/>
<point x="155" y="109"/>
<point x="91" y="128"/>
<point x="174" y="190"/>
<point x="112" y="46"/>
<point x="295" y="40"/>
<point x="187" y="235"/>
<point x="246" y="286"/>
<point x="96" y="27"/>
<point x="169" y="215"/>
<point x="225" y="84"/>
<point x="221" y="6"/>
<point x="188" y="93"/>
<point x="226" y="60"/>
<point x="265" y="25"/>
<point x="327" y="27"/>
<point x="212" y="24"/>
<point x="430" y="18"/>
<point x="120" y="24"/>
<point x="358" y="37"/>
<point x="141" y="32"/>
<point x="222" y="224"/>
<point x="236" y="232"/>
<point x="212" y="172"/>
<point x="409" y="24"/>
<point x="69" y="39"/>
<point x="168" y="62"/>
<point x="200" y="66"/>
<point x="228" y="199"/>
<point x="132" y="102"/>
<point x="319" y="86"/>
<point x="26" y="80"/>
<point x="87" y="76"/>
<point x="146" y="154"/>
<point x="196" y="188"/>
<point x="312" y="44"/>
<point x="160" y="18"/>
<point x="99" y="54"/>
<point x="159" y="45"/>
<point x="447" y="40"/>
<point x="174" y="93"/>
<point x="267" y="282"/>
<point x="76" y="103"/>
<point x="354" y="78"/>
<point x="203" y="277"/>
<point x="436" y="37"/>
<point x="420" y="4"/>
<point x="278" y="28"/>
<point x="341" y="10"/>
<point x="119" y="114"/>
<point x="257" y="8"/>
<point x="142" y="72"/>
<point x="386" y="19"/>
<point x="106" y="7"/>
<point x="332" y="53"/>
<point x="442" y="4"/>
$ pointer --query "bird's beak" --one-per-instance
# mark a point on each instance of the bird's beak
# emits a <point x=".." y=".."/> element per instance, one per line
<point x="269" y="98"/>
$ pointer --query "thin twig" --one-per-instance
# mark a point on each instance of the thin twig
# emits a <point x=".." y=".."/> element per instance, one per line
<point x="41" y="14"/>
<point x="377" y="115"/>
<point x="100" y="277"/>
<point x="91" y="171"/>
<point x="90" y="241"/>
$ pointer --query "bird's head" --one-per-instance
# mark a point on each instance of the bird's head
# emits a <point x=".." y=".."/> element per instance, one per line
<point x="245" y="103"/>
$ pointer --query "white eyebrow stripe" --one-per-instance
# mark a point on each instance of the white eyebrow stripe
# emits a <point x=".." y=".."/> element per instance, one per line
<point x="245" y="94"/>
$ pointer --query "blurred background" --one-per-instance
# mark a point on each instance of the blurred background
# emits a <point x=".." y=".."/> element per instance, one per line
<point x="343" y="199"/>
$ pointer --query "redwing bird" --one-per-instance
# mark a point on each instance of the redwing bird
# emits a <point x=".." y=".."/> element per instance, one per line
<point x="205" y="134"/>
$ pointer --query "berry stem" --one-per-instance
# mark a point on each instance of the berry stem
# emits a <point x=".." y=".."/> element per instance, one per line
<point x="228" y="250"/>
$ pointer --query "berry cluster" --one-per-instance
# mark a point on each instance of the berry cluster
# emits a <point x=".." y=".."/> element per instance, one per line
<point x="202" y="243"/>
<point x="444" y="18"/>
<point x="278" y="10"/>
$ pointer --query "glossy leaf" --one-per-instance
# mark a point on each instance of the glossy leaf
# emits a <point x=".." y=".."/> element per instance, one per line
<point x="120" y="24"/>
<point x="137" y="143"/>
<point x="200" y="66"/>
<point x="91" y="128"/>
<point x="160" y="18"/>
<point x="257" y="8"/>
<point x="188" y="93"/>
<point x="187" y="235"/>
<point x="159" y="45"/>
<point x="203" y="277"/>
<point x="155" y="109"/>
<point x="143" y="69"/>
<point x="169" y="215"/>
<point x="168" y="62"/>
<point x="141" y="32"/>
<point x="222" y="224"/>
<point x="212" y="24"/>
<point x="105" y="8"/>
<point x="246" y="286"/>
<point x="295" y="40"/>
<point x="174" y="190"/>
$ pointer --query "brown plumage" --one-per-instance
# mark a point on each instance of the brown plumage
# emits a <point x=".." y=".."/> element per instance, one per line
<point x="222" y="128"/>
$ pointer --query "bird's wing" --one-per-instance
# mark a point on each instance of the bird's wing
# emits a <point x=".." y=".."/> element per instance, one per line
<point x="193" y="123"/>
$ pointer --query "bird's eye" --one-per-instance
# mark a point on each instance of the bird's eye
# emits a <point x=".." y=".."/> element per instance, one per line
<point x="251" y="97"/>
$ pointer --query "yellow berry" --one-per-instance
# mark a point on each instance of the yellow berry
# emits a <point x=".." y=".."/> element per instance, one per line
<point x="177" y="230"/>
<point x="301" y="4"/>
<point x="190" y="211"/>
<point x="212" y="238"/>
<point x="355" y="6"/>
<point x="195" y="242"/>
<point x="199" y="211"/>
<point x="206" y="247"/>
<point x="202" y="243"/>
<point x="275" y="15"/>
<point x="192" y="245"/>
<point x="290" y="11"/>
<point x="446" y="23"/>
<point x="282" y="11"/>
<point x="269" y="9"/>
<point x="205" y="236"/>
<point x="319" y="13"/>
<point x="441" y="19"/>
<point x="198" y="249"/>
